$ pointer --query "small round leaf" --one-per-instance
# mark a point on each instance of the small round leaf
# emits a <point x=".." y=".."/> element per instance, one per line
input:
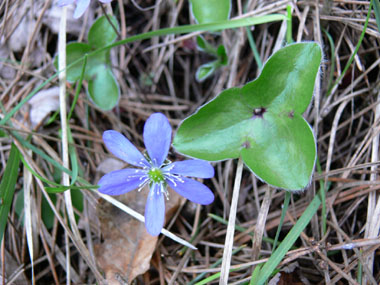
<point x="102" y="33"/>
<point x="209" y="11"/>
<point x="103" y="88"/>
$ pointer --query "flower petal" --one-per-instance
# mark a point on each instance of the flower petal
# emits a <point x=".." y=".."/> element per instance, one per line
<point x="121" y="181"/>
<point x="122" y="148"/>
<point x="192" y="190"/>
<point x="157" y="138"/>
<point x="155" y="210"/>
<point x="65" y="2"/>
<point x="82" y="5"/>
<point x="193" y="167"/>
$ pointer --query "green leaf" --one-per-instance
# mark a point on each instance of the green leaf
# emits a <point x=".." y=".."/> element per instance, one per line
<point x="281" y="150"/>
<point x="77" y="199"/>
<point x="229" y="24"/>
<point x="104" y="89"/>
<point x="288" y="241"/>
<point x="222" y="55"/>
<point x="376" y="8"/>
<point x="102" y="32"/>
<point x="46" y="211"/>
<point x="7" y="187"/>
<point x="75" y="52"/>
<point x="19" y="206"/>
<point x="205" y="70"/>
<point x="204" y="45"/>
<point x="287" y="79"/>
<point x="209" y="11"/>
<point x="262" y="121"/>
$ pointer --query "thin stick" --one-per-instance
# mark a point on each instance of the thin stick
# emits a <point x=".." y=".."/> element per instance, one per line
<point x="141" y="218"/>
<point x="65" y="154"/>
<point x="227" y="253"/>
<point x="373" y="208"/>
<point x="62" y="105"/>
<point x="260" y="226"/>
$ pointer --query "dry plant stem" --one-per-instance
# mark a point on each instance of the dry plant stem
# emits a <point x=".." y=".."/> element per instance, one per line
<point x="65" y="153"/>
<point x="28" y="216"/>
<point x="260" y="226"/>
<point x="373" y="210"/>
<point x="227" y="253"/>
<point x="141" y="218"/>
<point x="62" y="105"/>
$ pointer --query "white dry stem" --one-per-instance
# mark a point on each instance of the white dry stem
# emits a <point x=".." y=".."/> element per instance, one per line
<point x="65" y="152"/>
<point x="260" y="226"/>
<point x="227" y="253"/>
<point x="141" y="218"/>
<point x="62" y="104"/>
<point x="373" y="209"/>
<point x="58" y="254"/>
<point x="28" y="216"/>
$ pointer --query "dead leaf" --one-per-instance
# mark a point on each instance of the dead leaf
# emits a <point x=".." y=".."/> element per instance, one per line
<point x="128" y="248"/>
<point x="11" y="269"/>
<point x="287" y="275"/>
<point x="6" y="71"/>
<point x="42" y="104"/>
<point x="110" y="164"/>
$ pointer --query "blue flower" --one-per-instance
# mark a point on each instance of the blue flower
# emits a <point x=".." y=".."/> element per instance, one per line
<point x="155" y="170"/>
<point x="82" y="5"/>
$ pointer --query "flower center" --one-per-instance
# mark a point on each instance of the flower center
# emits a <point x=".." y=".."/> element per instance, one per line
<point x="156" y="175"/>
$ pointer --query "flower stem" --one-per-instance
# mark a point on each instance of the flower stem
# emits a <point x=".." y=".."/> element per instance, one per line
<point x="227" y="253"/>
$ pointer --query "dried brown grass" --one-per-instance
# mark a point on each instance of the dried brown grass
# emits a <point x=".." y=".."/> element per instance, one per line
<point x="346" y="124"/>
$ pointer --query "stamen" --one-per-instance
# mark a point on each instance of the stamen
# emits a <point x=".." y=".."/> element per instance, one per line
<point x="143" y="183"/>
<point x="165" y="191"/>
<point x="173" y="178"/>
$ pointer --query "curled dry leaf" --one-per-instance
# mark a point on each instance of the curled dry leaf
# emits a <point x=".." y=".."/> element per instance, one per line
<point x="287" y="275"/>
<point x="127" y="247"/>
<point x="42" y="104"/>
<point x="110" y="164"/>
<point x="6" y="71"/>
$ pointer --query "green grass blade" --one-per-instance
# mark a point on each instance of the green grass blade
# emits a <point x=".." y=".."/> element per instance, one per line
<point x="255" y="52"/>
<point x="7" y="187"/>
<point x="213" y="277"/>
<point x="228" y="24"/>
<point x="237" y="227"/>
<point x="61" y="189"/>
<point x="284" y="209"/>
<point x="376" y="8"/>
<point x="9" y="115"/>
<point x="323" y="199"/>
<point x="77" y="90"/>
<point x="73" y="158"/>
<point x="255" y="275"/>
<point x="40" y="153"/>
<point x="223" y="25"/>
<point x="289" y="28"/>
<point x="218" y="262"/>
<point x="289" y="240"/>
<point x="332" y="47"/>
<point x="37" y="175"/>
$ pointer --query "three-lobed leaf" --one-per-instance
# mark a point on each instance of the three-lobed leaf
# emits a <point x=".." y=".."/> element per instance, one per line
<point x="262" y="121"/>
<point x="76" y="51"/>
<point x="103" y="88"/>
